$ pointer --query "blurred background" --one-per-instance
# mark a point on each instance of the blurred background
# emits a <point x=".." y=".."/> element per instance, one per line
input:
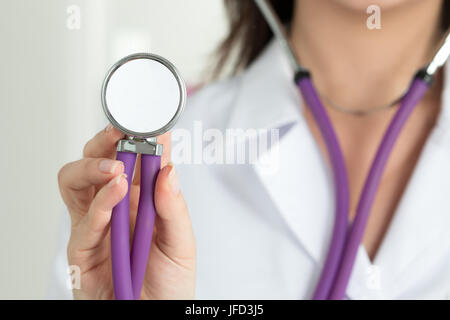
<point x="53" y="57"/>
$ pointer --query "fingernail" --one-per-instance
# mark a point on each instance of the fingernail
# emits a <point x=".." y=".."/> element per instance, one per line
<point x="109" y="127"/>
<point x="117" y="180"/>
<point x="108" y="166"/>
<point x="173" y="180"/>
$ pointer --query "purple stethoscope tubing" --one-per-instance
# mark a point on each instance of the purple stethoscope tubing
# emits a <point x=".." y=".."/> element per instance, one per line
<point x="346" y="238"/>
<point x="343" y="247"/>
<point x="120" y="236"/>
<point x="344" y="243"/>
<point x="128" y="269"/>
<point x="341" y="185"/>
<point x="415" y="93"/>
<point x="129" y="272"/>
<point x="145" y="220"/>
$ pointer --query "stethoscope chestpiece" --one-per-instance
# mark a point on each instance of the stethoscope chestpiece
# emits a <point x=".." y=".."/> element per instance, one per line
<point x="143" y="96"/>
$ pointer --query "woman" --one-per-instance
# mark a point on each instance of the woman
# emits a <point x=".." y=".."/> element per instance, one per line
<point x="265" y="234"/>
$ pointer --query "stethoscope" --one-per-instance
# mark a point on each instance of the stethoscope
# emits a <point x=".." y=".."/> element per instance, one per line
<point x="143" y="96"/>
<point x="345" y="240"/>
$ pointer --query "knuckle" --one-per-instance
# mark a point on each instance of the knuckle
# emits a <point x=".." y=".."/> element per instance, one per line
<point x="85" y="166"/>
<point x="91" y="142"/>
<point x="62" y="174"/>
<point x="113" y="139"/>
<point x="95" y="221"/>
<point x="72" y="250"/>
<point x="86" y="148"/>
<point x="92" y="225"/>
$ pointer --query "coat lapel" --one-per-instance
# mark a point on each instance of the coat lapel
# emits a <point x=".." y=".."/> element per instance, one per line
<point x="301" y="190"/>
<point x="419" y="229"/>
<point x="301" y="187"/>
<point x="269" y="99"/>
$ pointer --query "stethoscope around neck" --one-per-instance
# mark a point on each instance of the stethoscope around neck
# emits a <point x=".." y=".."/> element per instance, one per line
<point x="346" y="239"/>
<point x="143" y="95"/>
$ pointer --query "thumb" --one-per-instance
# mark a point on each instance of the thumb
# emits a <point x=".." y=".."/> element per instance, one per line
<point x="174" y="234"/>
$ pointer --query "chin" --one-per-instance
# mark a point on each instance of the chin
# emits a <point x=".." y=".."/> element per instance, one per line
<point x="361" y="5"/>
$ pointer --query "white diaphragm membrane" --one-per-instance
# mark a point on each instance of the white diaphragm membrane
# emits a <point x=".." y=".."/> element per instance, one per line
<point x="142" y="96"/>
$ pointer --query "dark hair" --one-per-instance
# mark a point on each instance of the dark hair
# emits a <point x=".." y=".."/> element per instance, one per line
<point x="245" y="19"/>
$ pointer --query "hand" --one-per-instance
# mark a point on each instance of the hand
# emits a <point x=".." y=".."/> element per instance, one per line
<point x="91" y="187"/>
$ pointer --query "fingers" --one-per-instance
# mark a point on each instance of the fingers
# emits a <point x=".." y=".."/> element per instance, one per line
<point x="165" y="141"/>
<point x="103" y="144"/>
<point x="93" y="228"/>
<point x="174" y="231"/>
<point x="88" y="172"/>
<point x="165" y="158"/>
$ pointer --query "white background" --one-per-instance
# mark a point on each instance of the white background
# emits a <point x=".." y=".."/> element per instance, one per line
<point x="50" y="80"/>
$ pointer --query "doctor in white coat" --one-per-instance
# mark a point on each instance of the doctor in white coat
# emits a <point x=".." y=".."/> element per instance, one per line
<point x="262" y="228"/>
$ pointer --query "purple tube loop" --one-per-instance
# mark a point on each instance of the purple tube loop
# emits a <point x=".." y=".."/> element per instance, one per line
<point x="341" y="188"/>
<point x="415" y="93"/>
<point x="145" y="220"/>
<point x="120" y="236"/>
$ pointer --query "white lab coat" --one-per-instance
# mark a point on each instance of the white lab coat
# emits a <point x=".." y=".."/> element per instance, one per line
<point x="265" y="236"/>
<point x="262" y="235"/>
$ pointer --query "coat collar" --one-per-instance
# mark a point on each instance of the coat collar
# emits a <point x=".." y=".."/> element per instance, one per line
<point x="268" y="98"/>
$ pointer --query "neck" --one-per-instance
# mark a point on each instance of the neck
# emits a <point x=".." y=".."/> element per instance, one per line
<point x="361" y="68"/>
